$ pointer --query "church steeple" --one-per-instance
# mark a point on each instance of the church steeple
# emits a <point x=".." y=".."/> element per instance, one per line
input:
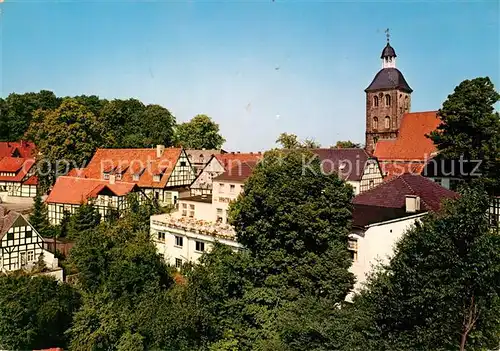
<point x="388" y="98"/>
<point x="388" y="53"/>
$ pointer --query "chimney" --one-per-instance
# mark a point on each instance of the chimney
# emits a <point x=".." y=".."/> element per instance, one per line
<point x="160" y="149"/>
<point x="112" y="179"/>
<point x="251" y="153"/>
<point x="412" y="203"/>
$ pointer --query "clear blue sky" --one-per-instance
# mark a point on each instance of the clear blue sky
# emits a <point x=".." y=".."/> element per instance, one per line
<point x="221" y="58"/>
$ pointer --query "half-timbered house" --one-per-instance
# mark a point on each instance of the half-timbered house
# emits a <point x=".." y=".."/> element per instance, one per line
<point x="17" y="177"/>
<point x="69" y="193"/>
<point x="217" y="165"/>
<point x="20" y="244"/>
<point x="164" y="174"/>
<point x="354" y="166"/>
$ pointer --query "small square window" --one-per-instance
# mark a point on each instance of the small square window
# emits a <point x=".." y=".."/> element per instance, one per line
<point x="178" y="263"/>
<point x="135" y="177"/>
<point x="191" y="207"/>
<point x="183" y="163"/>
<point x="184" y="213"/>
<point x="156" y="178"/>
<point x="191" y="214"/>
<point x="10" y="236"/>
<point x="200" y="246"/>
<point x="184" y="205"/>
<point x="28" y="234"/>
<point x="106" y="176"/>
<point x="179" y="241"/>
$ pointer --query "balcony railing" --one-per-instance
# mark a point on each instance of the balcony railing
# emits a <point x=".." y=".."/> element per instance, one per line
<point x="218" y="230"/>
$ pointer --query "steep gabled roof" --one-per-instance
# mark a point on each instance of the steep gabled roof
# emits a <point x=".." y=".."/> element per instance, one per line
<point x="141" y="161"/>
<point x="411" y="143"/>
<point x="73" y="190"/>
<point x="348" y="163"/>
<point x="392" y="194"/>
<point x="7" y="219"/>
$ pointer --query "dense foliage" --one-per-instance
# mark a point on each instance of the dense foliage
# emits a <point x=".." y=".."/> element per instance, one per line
<point x="441" y="290"/>
<point x="35" y="312"/>
<point x="199" y="133"/>
<point x="470" y="128"/>
<point x="291" y="141"/>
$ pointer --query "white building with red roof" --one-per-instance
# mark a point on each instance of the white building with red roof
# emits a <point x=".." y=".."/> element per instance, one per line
<point x="201" y="220"/>
<point x="69" y="193"/>
<point x="383" y="214"/>
<point x="217" y="165"/>
<point x="161" y="173"/>
<point x="17" y="178"/>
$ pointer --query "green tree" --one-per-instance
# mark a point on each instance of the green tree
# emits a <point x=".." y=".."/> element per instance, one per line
<point x="67" y="137"/>
<point x="200" y="132"/>
<point x="123" y="118"/>
<point x="470" y="128"/>
<point x="85" y="218"/>
<point x="439" y="291"/>
<point x="283" y="221"/>
<point x="35" y="312"/>
<point x="346" y="145"/>
<point x="39" y="217"/>
<point x="18" y="111"/>
<point x="157" y="126"/>
<point x="291" y="141"/>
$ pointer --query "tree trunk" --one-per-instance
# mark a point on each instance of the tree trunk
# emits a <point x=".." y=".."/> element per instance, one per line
<point x="463" y="340"/>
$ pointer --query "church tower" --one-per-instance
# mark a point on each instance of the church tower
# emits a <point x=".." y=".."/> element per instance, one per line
<point x="388" y="97"/>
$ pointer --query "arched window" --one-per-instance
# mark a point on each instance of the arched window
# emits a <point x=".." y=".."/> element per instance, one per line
<point x="387" y="100"/>
<point x="375" y="123"/>
<point x="407" y="102"/>
<point x="387" y="122"/>
<point x="375" y="101"/>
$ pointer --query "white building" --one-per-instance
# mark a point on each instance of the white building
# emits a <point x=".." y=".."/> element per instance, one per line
<point x="200" y="220"/>
<point x="21" y="245"/>
<point x="382" y="215"/>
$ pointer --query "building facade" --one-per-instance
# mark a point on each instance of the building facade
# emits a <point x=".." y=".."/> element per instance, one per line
<point x="17" y="177"/>
<point x="20" y="244"/>
<point x="164" y="174"/>
<point x="69" y="193"/>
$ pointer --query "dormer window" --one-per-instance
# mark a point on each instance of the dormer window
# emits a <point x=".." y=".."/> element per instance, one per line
<point x="135" y="177"/>
<point x="156" y="178"/>
<point x="105" y="175"/>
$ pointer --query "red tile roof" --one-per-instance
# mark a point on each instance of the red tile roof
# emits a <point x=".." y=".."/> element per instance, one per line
<point x="392" y="169"/>
<point x="238" y="173"/>
<point x="22" y="148"/>
<point x="393" y="193"/>
<point x="33" y="180"/>
<point x="73" y="190"/>
<point x="411" y="144"/>
<point x="233" y="159"/>
<point x="134" y="161"/>
<point x="19" y="166"/>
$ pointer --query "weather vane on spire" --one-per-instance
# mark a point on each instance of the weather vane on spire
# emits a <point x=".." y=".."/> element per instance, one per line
<point x="387" y="34"/>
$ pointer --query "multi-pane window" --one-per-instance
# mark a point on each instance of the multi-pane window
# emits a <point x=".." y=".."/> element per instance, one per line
<point x="232" y="188"/>
<point x="200" y="246"/>
<point x="161" y="236"/>
<point x="191" y="210"/>
<point x="179" y="241"/>
<point x="352" y="246"/>
<point x="219" y="215"/>
<point x="106" y="176"/>
<point x="221" y="188"/>
<point x="178" y="262"/>
<point x="31" y="256"/>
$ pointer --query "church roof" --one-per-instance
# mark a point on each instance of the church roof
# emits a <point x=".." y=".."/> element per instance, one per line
<point x="388" y="51"/>
<point x="411" y="143"/>
<point x="389" y="78"/>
